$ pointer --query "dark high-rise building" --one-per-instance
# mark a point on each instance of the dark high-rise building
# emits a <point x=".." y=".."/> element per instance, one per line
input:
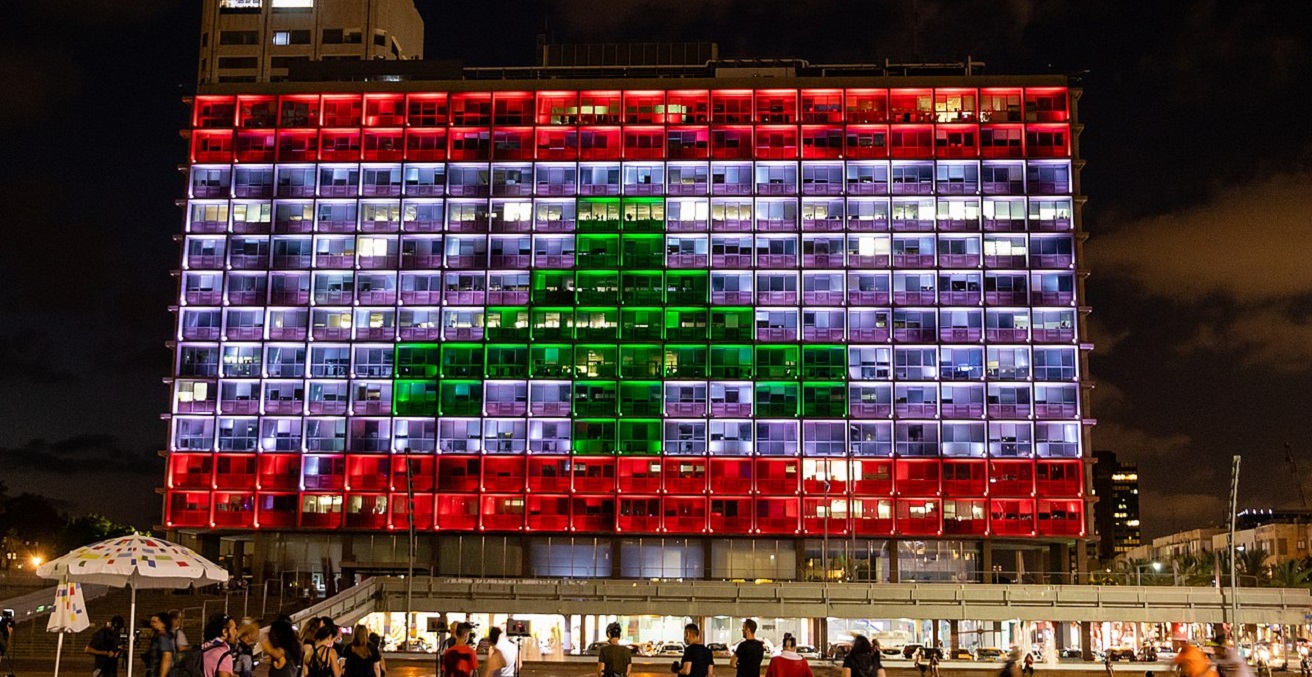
<point x="1116" y="514"/>
<point x="721" y="320"/>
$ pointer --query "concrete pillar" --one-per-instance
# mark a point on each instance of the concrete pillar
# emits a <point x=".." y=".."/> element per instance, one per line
<point x="799" y="560"/>
<point x="238" y="557"/>
<point x="954" y="636"/>
<point x="706" y="559"/>
<point x="1081" y="563"/>
<point x="892" y="561"/>
<point x="1086" y="640"/>
<point x="1060" y="555"/>
<point x="615" y="556"/>
<point x="1059" y="629"/>
<point x="934" y="633"/>
<point x="986" y="560"/>
<point x="820" y="633"/>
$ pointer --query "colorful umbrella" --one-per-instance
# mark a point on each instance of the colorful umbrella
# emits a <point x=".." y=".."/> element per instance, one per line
<point x="136" y="561"/>
<point x="69" y="615"/>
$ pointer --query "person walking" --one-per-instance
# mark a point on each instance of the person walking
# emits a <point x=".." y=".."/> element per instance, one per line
<point x="1304" y="666"/>
<point x="248" y="635"/>
<point x="460" y="660"/>
<point x="1107" y="663"/>
<point x="283" y="648"/>
<point x="162" y="652"/>
<point x="322" y="660"/>
<point x="863" y="660"/>
<point x="502" y="655"/>
<point x="1028" y="669"/>
<point x="697" y="661"/>
<point x="749" y="653"/>
<point x="1012" y="667"/>
<point x="219" y="636"/>
<point x="788" y="663"/>
<point x="104" y="646"/>
<point x="614" y="659"/>
<point x="1190" y="662"/>
<point x="362" y="659"/>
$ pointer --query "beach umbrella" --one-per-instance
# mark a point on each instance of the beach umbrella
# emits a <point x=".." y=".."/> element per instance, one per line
<point x="68" y="616"/>
<point x="134" y="561"/>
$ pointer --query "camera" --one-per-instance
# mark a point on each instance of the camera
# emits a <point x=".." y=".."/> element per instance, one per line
<point x="516" y="628"/>
<point x="436" y="625"/>
<point x="676" y="667"/>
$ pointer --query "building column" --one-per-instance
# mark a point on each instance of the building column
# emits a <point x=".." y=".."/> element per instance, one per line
<point x="986" y="559"/>
<point x="820" y="633"/>
<point x="934" y="633"/>
<point x="954" y="636"/>
<point x="892" y="561"/>
<point x="238" y="557"/>
<point x="1060" y="555"/>
<point x="706" y="559"/>
<point x="1086" y="641"/>
<point x="615" y="556"/>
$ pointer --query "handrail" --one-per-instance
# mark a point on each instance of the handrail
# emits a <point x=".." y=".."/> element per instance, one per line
<point x="347" y="605"/>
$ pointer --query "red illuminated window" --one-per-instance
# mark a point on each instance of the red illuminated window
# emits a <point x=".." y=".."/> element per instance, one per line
<point x="1059" y="478"/>
<point x="1011" y="517"/>
<point x="256" y="111"/>
<point x="215" y="111"/>
<point x="866" y="106"/>
<point x="1011" y="478"/>
<point x="234" y="471"/>
<point x="189" y="509"/>
<point x="776" y="107"/>
<point x="558" y="108"/>
<point x="820" y="143"/>
<point x="547" y="513"/>
<point x="458" y="473"/>
<point x="918" y="478"/>
<point x="367" y="473"/>
<point x="339" y="145"/>
<point x="384" y="110"/>
<point x="644" y="143"/>
<point x="512" y="108"/>
<point x="425" y="145"/>
<point x="639" y="475"/>
<point x="965" y="517"/>
<point x="731" y="143"/>
<point x="255" y="145"/>
<point x="503" y="473"/>
<point x="234" y="510"/>
<point x="366" y="511"/>
<point x="684" y="514"/>
<point x="399" y="513"/>
<point x="687" y="143"/>
<point x="416" y="472"/>
<point x="471" y="144"/>
<point x="828" y="516"/>
<point x="426" y="110"/>
<point x="342" y="111"/>
<point x="731" y="107"/>
<point x="211" y="146"/>
<point x="639" y="515"/>
<point x="323" y="473"/>
<point x="384" y="145"/>
<point x="593" y="514"/>
<point x="911" y="105"/>
<point x="557" y="143"/>
<point x="471" y="108"/>
<point x="872" y="517"/>
<point x="298" y="145"/>
<point x="599" y="143"/>
<point x="919" y="517"/>
<point x="776" y="143"/>
<point x="685" y="475"/>
<point x="1002" y="141"/>
<point x="956" y="141"/>
<point x="866" y="142"/>
<point x="1061" y="518"/>
<point x="687" y="107"/>
<point x="872" y="477"/>
<point x="644" y="108"/>
<point x="731" y="515"/>
<point x="457" y="512"/>
<point x="777" y="515"/>
<point x="1046" y="104"/>
<point x="1048" y="140"/>
<point x="191" y="471"/>
<point x="731" y="475"/>
<point x="822" y="105"/>
<point x="275" y="511"/>
<point x="594" y="474"/>
<point x="778" y="476"/>
<point x="599" y="108"/>
<point x="549" y="474"/>
<point x="503" y="513"/>
<point x="965" y="478"/>
<point x="299" y="111"/>
<point x="512" y="144"/>
<point x="912" y="141"/>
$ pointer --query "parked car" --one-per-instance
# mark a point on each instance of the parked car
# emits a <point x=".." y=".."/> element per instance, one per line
<point x="718" y="649"/>
<point x="808" y="652"/>
<point x="909" y="651"/>
<point x="1075" y="654"/>
<point x="1121" y="653"/>
<point x="891" y="651"/>
<point x="838" y="650"/>
<point x="990" y="653"/>
<point x="963" y="655"/>
<point x="671" y="649"/>
<point x="594" y="649"/>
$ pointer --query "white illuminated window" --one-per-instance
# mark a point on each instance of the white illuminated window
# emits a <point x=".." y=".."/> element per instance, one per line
<point x="282" y="37"/>
<point x="292" y="4"/>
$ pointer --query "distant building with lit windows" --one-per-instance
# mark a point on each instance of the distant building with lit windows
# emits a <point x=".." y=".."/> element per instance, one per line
<point x="261" y="40"/>
<point x="1116" y="514"/>
<point x="713" y="320"/>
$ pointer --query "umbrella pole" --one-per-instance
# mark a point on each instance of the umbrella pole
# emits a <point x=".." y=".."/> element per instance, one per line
<point x="132" y="630"/>
<point x="59" y="650"/>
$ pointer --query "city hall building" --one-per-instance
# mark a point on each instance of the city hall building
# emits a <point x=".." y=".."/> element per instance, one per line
<point x="706" y="320"/>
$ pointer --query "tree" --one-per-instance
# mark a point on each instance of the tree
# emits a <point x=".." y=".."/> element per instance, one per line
<point x="88" y="529"/>
<point x="1250" y="566"/>
<point x="33" y="517"/>
<point x="1293" y="573"/>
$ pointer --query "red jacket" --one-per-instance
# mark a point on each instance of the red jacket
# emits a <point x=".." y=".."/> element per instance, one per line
<point x="788" y="664"/>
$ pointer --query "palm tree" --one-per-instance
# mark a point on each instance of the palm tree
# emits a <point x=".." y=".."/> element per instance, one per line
<point x="1197" y="568"/>
<point x="1293" y="573"/>
<point x="1250" y="566"/>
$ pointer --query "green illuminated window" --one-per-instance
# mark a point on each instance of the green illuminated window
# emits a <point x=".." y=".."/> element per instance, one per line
<point x="598" y="215"/>
<point x="595" y="361"/>
<point x="824" y="399"/>
<point x="641" y="436"/>
<point x="731" y="324"/>
<point x="824" y="362"/>
<point x="640" y="398"/>
<point x="731" y="362"/>
<point x="418" y="360"/>
<point x="595" y="398"/>
<point x="597" y="324"/>
<point x="776" y="400"/>
<point x="641" y="324"/>
<point x="594" y="436"/>
<point x="507" y="361"/>
<point x="687" y="287"/>
<point x="554" y="287"/>
<point x="551" y="361"/>
<point x="686" y="324"/>
<point x="776" y="361"/>
<point x="598" y="287"/>
<point x="685" y="361"/>
<point x="552" y="324"/>
<point x="414" y="398"/>
<point x="644" y="214"/>
<point x="507" y="324"/>
<point x="642" y="251"/>
<point x="461" y="398"/>
<point x="597" y="252"/>
<point x="645" y="288"/>
<point x="640" y="361"/>
<point x="462" y="360"/>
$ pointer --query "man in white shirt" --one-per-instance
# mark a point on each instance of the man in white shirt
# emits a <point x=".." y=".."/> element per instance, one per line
<point x="503" y="655"/>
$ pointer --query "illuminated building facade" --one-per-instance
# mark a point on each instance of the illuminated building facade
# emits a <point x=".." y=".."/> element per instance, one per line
<point x="690" y="327"/>
<point x="1116" y="514"/>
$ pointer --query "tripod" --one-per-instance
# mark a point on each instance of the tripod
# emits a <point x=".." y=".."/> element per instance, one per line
<point x="4" y="656"/>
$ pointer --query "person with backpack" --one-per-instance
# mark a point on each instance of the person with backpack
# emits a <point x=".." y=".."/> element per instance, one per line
<point x="161" y="652"/>
<point x="322" y="660"/>
<point x="460" y="660"/>
<point x="104" y="646"/>
<point x="862" y="660"/>
<point x="614" y="659"/>
<point x="283" y="648"/>
<point x="749" y="653"/>
<point x="215" y="655"/>
<point x="1012" y="667"/>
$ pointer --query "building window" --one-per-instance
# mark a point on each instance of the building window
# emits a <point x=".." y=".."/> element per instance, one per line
<point x="239" y="37"/>
<point x="239" y="62"/>
<point x="333" y="36"/>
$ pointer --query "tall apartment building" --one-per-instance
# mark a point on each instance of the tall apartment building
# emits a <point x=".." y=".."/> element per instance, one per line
<point x="259" y="40"/>
<point x="1116" y="514"/>
<point x="821" y="324"/>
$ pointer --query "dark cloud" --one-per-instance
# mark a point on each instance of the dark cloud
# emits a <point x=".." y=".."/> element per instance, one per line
<point x="83" y="454"/>
<point x="29" y="358"/>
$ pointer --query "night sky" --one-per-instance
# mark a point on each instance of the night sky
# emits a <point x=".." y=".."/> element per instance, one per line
<point x="1199" y="176"/>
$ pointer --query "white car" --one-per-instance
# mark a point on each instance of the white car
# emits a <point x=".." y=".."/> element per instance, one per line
<point x="671" y="649"/>
<point x="808" y="652"/>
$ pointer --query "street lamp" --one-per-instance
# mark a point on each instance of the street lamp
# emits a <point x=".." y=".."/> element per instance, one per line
<point x="1138" y="571"/>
